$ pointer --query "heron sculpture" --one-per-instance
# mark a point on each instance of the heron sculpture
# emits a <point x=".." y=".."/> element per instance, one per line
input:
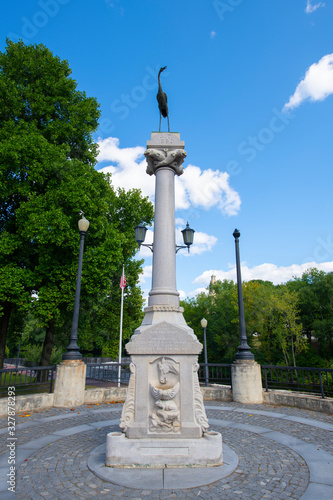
<point x="162" y="100"/>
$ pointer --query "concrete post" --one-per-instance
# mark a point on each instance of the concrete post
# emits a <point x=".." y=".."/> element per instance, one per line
<point x="246" y="382"/>
<point x="70" y="384"/>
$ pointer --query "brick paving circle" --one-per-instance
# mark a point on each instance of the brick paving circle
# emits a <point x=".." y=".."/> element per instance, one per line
<point x="266" y="469"/>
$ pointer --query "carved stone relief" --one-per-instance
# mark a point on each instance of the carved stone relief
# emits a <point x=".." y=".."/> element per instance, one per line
<point x="164" y="413"/>
<point x="127" y="415"/>
<point x="199" y="409"/>
<point x="164" y="157"/>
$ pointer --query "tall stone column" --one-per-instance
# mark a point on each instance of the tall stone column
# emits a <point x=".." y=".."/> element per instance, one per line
<point x="164" y="255"/>
<point x="164" y="421"/>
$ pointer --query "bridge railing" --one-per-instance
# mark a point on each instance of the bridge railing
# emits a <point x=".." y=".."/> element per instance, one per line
<point x="300" y="379"/>
<point x="35" y="378"/>
<point x="107" y="372"/>
<point x="218" y="373"/>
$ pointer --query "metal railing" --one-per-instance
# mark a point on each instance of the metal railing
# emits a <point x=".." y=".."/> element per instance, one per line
<point x="301" y="379"/>
<point x="218" y="373"/>
<point x="27" y="379"/>
<point x="14" y="361"/>
<point x="108" y="372"/>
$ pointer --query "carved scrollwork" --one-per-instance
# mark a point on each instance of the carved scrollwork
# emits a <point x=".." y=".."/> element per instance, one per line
<point x="165" y="157"/>
<point x="199" y="409"/>
<point x="127" y="415"/>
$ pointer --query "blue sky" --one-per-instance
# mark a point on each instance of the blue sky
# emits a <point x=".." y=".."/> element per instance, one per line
<point x="249" y="85"/>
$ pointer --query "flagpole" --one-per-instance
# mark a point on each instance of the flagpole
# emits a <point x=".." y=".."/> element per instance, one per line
<point x="121" y="323"/>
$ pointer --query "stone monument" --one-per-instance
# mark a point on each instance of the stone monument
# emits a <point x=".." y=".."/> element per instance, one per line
<point x="164" y="422"/>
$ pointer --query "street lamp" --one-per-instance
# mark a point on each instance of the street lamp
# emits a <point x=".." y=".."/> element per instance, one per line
<point x="73" y="348"/>
<point x="244" y="350"/>
<point x="140" y="234"/>
<point x="204" y="325"/>
<point x="188" y="236"/>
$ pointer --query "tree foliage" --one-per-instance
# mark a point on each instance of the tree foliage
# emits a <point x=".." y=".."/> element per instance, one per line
<point x="47" y="180"/>
<point x="218" y="307"/>
<point x="315" y="291"/>
<point x="278" y="319"/>
<point x="272" y="315"/>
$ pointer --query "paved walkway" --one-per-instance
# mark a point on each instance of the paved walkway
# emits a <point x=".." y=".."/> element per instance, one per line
<point x="283" y="453"/>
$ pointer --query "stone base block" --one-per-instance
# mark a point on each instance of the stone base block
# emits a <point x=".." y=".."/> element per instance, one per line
<point x="124" y="452"/>
<point x="246" y="382"/>
<point x="69" y="389"/>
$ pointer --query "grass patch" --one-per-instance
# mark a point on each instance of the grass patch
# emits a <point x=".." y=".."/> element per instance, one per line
<point x="15" y="378"/>
<point x="28" y="389"/>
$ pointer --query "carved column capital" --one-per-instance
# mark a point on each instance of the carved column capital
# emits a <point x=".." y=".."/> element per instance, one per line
<point x="172" y="158"/>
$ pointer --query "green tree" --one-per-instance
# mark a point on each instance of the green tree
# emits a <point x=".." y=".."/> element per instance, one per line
<point x="47" y="179"/>
<point x="217" y="306"/>
<point x="272" y="315"/>
<point x="315" y="292"/>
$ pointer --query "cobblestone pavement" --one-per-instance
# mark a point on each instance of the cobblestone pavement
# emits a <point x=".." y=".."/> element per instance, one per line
<point x="284" y="453"/>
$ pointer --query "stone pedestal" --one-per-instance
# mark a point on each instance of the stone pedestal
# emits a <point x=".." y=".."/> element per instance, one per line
<point x="164" y="419"/>
<point x="246" y="382"/>
<point x="70" y="384"/>
<point x="122" y="452"/>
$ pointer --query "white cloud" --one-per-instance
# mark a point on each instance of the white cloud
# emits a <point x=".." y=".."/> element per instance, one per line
<point x="312" y="7"/>
<point x="316" y="85"/>
<point x="206" y="189"/>
<point x="196" y="187"/>
<point x="128" y="169"/>
<point x="146" y="274"/>
<point x="213" y="34"/>
<point x="266" y="272"/>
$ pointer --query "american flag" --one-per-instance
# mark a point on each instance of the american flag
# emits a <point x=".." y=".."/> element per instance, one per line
<point x="122" y="281"/>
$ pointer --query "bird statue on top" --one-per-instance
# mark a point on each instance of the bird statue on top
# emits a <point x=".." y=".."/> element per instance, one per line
<point x="162" y="100"/>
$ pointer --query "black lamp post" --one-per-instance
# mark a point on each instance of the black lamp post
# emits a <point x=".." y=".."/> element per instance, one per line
<point x="73" y="348"/>
<point x="244" y="350"/>
<point x="140" y="234"/>
<point x="204" y="325"/>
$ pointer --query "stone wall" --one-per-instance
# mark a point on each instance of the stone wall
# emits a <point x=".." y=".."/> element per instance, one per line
<point x="214" y="392"/>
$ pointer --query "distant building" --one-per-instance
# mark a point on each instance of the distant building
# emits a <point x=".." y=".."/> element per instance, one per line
<point x="213" y="281"/>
